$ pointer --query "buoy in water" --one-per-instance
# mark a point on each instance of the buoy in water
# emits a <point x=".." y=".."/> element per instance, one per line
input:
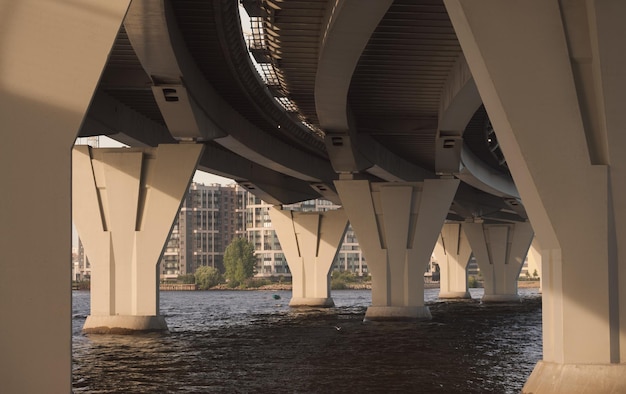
<point x="276" y="297"/>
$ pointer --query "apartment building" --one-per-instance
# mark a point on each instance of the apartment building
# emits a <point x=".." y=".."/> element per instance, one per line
<point x="209" y="218"/>
<point x="81" y="268"/>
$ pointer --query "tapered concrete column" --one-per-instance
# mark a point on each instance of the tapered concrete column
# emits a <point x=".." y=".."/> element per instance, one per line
<point x="500" y="251"/>
<point x="125" y="202"/>
<point x="310" y="241"/>
<point x="560" y="123"/>
<point x="453" y="252"/>
<point x="397" y="225"/>
<point x="51" y="56"/>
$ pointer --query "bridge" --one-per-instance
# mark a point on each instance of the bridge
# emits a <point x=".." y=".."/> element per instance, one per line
<point x="454" y="125"/>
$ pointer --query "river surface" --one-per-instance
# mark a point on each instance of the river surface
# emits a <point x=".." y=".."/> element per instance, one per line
<point x="248" y="342"/>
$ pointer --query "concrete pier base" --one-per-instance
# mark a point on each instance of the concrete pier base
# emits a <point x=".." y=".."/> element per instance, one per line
<point x="397" y="224"/>
<point x="500" y="250"/>
<point x="556" y="378"/>
<point x="125" y="201"/>
<point x="312" y="302"/>
<point x="310" y="241"/>
<point x="455" y="295"/>
<point x="52" y="55"/>
<point x="583" y="320"/>
<point x="124" y="324"/>
<point x="397" y="313"/>
<point x="452" y="253"/>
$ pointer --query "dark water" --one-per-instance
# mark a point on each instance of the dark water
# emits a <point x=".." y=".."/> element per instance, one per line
<point x="247" y="342"/>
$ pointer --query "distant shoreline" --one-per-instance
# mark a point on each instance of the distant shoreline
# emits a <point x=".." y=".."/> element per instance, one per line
<point x="522" y="284"/>
<point x="528" y="284"/>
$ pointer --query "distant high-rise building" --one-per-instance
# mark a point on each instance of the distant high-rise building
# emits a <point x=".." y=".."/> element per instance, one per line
<point x="350" y="256"/>
<point x="270" y="258"/>
<point x="209" y="218"/>
<point x="81" y="268"/>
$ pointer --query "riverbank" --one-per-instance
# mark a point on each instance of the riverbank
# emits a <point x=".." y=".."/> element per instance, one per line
<point x="522" y="284"/>
<point x="528" y="284"/>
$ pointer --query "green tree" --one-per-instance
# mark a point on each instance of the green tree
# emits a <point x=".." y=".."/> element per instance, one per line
<point x="187" y="278"/>
<point x="239" y="261"/>
<point x="207" y="277"/>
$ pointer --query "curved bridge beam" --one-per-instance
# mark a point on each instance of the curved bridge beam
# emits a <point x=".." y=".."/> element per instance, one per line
<point x="459" y="102"/>
<point x="180" y="91"/>
<point x="171" y="69"/>
<point x="110" y="117"/>
<point x="348" y="27"/>
<point x="269" y="185"/>
<point x="475" y="173"/>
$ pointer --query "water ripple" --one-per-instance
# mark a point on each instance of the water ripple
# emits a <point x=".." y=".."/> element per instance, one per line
<point x="247" y="342"/>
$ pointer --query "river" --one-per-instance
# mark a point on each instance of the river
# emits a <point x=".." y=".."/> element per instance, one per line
<point x="248" y="342"/>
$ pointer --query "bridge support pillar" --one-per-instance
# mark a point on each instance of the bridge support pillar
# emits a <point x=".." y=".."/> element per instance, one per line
<point x="310" y="241"/>
<point x="452" y="253"/>
<point x="500" y="250"/>
<point x="50" y="69"/>
<point x="560" y="123"/>
<point x="125" y="201"/>
<point x="397" y="225"/>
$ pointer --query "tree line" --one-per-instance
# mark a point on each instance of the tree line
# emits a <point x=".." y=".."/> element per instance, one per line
<point x="239" y="266"/>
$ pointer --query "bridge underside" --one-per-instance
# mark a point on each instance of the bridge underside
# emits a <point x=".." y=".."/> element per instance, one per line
<point x="409" y="113"/>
